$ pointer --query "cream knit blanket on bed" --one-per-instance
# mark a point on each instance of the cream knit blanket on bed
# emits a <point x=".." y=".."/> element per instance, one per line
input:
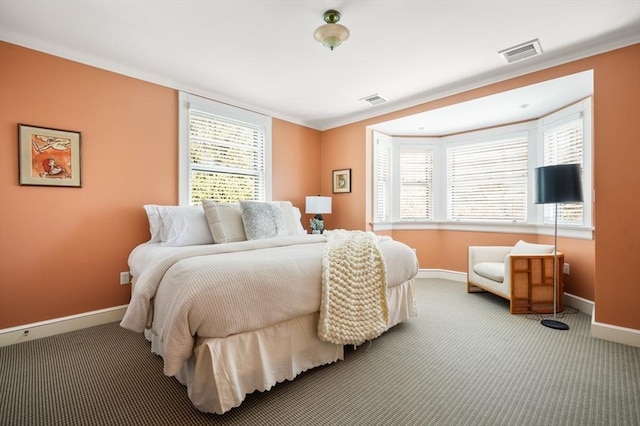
<point x="353" y="307"/>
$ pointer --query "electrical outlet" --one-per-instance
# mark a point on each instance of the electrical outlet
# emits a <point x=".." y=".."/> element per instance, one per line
<point x="125" y="278"/>
<point x="566" y="269"/>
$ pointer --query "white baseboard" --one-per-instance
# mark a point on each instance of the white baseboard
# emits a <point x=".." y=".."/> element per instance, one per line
<point x="37" y="330"/>
<point x="614" y="333"/>
<point x="443" y="274"/>
<point x="583" y="305"/>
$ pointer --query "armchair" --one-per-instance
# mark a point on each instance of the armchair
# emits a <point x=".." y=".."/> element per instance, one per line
<point x="522" y="274"/>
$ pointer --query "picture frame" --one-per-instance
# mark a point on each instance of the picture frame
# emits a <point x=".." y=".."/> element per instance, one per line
<point x="341" y="181"/>
<point x="49" y="157"/>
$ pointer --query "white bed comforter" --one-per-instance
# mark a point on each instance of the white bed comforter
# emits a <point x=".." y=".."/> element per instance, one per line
<point x="223" y="289"/>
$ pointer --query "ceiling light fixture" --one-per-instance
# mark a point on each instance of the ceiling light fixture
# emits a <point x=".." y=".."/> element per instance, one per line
<point x="331" y="34"/>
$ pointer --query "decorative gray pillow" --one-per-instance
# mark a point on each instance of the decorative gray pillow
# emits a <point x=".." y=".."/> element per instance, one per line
<point x="262" y="220"/>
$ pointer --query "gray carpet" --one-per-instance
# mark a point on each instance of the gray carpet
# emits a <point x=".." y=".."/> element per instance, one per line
<point x="464" y="361"/>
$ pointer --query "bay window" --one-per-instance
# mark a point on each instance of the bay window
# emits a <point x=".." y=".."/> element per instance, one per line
<point x="482" y="179"/>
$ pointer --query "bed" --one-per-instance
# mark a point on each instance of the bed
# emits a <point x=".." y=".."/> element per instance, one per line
<point x="239" y="314"/>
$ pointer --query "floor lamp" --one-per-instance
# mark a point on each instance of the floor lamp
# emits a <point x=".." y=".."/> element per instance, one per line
<point x="557" y="184"/>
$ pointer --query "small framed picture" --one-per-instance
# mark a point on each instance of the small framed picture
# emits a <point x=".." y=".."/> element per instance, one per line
<point x="49" y="157"/>
<point x="341" y="181"/>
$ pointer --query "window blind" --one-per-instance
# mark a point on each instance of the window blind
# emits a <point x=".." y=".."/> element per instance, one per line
<point x="226" y="159"/>
<point x="382" y="179"/>
<point x="563" y="144"/>
<point x="416" y="183"/>
<point x="488" y="181"/>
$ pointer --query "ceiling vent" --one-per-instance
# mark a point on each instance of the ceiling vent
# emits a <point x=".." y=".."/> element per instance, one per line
<point x="374" y="99"/>
<point x="522" y="51"/>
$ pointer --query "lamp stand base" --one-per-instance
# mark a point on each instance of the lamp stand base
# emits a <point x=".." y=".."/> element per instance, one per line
<point x="557" y="325"/>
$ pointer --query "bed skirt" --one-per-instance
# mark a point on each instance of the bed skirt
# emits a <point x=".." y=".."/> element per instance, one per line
<point x="222" y="371"/>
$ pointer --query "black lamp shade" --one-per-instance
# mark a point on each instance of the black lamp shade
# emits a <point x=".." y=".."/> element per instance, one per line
<point x="558" y="184"/>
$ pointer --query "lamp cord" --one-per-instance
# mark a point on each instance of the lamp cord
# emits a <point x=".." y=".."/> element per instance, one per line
<point x="568" y="310"/>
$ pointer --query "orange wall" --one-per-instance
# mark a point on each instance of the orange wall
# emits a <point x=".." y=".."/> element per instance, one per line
<point x="604" y="270"/>
<point x="296" y="165"/>
<point x="617" y="171"/>
<point x="61" y="249"/>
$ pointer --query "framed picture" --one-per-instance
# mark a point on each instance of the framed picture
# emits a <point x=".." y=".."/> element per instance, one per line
<point x="341" y="181"/>
<point x="48" y="157"/>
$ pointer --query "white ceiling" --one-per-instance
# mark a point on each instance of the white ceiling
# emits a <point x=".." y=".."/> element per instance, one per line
<point x="261" y="55"/>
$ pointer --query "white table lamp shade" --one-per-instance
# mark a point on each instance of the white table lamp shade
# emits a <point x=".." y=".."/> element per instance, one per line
<point x="318" y="205"/>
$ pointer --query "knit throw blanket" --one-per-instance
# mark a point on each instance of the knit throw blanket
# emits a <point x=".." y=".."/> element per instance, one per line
<point x="353" y="307"/>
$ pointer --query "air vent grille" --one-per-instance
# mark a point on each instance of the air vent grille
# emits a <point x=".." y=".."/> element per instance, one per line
<point x="374" y="99"/>
<point x="522" y="51"/>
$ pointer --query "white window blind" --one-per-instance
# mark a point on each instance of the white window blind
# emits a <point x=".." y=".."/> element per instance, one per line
<point x="563" y="144"/>
<point x="382" y="178"/>
<point x="416" y="183"/>
<point x="225" y="152"/>
<point x="487" y="181"/>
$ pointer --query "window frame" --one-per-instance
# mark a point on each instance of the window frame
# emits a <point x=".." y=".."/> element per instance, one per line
<point x="185" y="102"/>
<point x="408" y="143"/>
<point x="584" y="109"/>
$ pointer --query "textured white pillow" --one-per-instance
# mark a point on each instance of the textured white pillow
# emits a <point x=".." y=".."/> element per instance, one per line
<point x="155" y="222"/>
<point x="523" y="247"/>
<point x="224" y="221"/>
<point x="184" y="226"/>
<point x="262" y="220"/>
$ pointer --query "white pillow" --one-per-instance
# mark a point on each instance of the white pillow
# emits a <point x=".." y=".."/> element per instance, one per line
<point x="291" y="216"/>
<point x="262" y="220"/>
<point x="522" y="247"/>
<point x="184" y="226"/>
<point x="298" y="216"/>
<point x="224" y="221"/>
<point x="155" y="222"/>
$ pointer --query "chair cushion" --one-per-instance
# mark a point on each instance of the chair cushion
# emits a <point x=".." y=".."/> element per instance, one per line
<point x="490" y="270"/>
<point x="522" y="247"/>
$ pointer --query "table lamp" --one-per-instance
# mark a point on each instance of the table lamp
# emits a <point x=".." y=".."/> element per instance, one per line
<point x="318" y="206"/>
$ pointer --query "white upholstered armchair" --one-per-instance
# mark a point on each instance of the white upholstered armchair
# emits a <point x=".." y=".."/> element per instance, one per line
<point x="522" y="274"/>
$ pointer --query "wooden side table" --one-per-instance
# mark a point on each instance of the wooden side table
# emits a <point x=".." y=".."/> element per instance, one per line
<point x="532" y="284"/>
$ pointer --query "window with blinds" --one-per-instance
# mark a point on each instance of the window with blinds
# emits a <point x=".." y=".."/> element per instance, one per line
<point x="488" y="181"/>
<point x="563" y="144"/>
<point x="382" y="178"/>
<point x="226" y="154"/>
<point x="416" y="183"/>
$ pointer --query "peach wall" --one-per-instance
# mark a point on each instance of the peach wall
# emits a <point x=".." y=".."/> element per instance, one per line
<point x="346" y="149"/>
<point x="296" y="166"/>
<point x="604" y="270"/>
<point x="617" y="187"/>
<point x="61" y="249"/>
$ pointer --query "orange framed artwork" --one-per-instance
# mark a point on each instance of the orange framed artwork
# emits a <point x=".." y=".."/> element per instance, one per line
<point x="49" y="157"/>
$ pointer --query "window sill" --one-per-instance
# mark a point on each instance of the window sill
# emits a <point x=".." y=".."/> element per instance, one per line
<point x="581" y="233"/>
